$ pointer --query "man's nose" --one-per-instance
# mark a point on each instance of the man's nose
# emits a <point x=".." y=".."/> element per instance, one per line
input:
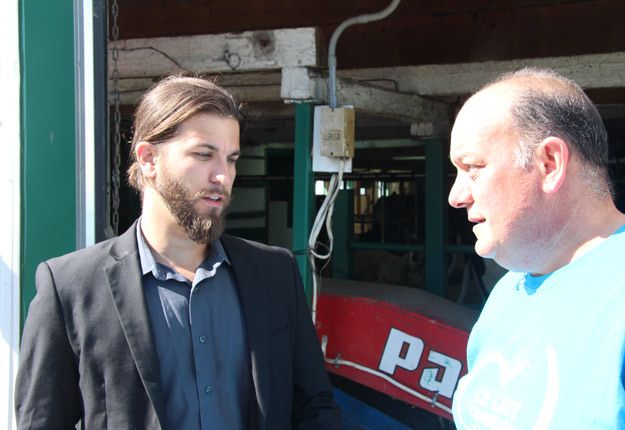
<point x="460" y="195"/>
<point x="221" y="174"/>
<point x="220" y="179"/>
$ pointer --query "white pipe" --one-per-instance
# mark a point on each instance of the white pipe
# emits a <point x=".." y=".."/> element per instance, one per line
<point x="360" y="19"/>
<point x="338" y="361"/>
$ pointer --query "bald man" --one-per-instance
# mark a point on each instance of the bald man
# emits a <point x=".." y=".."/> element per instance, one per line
<point x="548" y="350"/>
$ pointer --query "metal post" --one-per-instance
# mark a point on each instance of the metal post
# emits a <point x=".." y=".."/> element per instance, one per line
<point x="343" y="223"/>
<point x="303" y="190"/>
<point x="435" y="218"/>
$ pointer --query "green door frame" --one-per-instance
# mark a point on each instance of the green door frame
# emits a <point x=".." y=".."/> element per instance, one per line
<point x="48" y="142"/>
<point x="303" y="190"/>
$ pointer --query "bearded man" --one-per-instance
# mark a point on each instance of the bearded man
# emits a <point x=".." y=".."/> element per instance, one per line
<point x="174" y="325"/>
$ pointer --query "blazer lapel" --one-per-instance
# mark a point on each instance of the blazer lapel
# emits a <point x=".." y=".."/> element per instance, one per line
<point x="253" y="303"/>
<point x="125" y="281"/>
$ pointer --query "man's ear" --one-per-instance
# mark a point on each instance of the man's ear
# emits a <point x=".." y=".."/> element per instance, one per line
<point x="146" y="156"/>
<point x="553" y="157"/>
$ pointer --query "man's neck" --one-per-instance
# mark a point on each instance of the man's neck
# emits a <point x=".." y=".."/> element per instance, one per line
<point x="589" y="225"/>
<point x="169" y="241"/>
<point x="603" y="227"/>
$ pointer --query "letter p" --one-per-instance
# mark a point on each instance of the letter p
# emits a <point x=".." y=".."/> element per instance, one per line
<point x="401" y="350"/>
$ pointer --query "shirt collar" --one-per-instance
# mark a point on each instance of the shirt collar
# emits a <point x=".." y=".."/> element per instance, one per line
<point x="209" y="266"/>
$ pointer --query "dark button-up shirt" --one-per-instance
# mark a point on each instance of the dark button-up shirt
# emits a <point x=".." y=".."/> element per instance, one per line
<point x="200" y="337"/>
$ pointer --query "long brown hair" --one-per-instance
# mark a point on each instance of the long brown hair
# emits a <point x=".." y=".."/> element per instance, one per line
<point x="168" y="104"/>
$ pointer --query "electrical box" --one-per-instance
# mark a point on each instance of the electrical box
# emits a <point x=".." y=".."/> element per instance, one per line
<point x="337" y="132"/>
<point x="322" y="162"/>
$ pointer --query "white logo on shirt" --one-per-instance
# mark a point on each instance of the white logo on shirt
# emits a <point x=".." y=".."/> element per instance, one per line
<point x="494" y="406"/>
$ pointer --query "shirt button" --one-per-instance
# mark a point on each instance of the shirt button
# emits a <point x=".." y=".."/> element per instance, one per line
<point x="195" y="290"/>
<point x="208" y="389"/>
<point x="202" y="338"/>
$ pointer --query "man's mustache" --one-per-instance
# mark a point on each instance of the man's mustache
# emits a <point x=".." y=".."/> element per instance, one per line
<point x="220" y="191"/>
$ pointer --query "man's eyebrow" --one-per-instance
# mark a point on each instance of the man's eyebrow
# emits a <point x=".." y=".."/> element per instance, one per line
<point x="214" y="148"/>
<point x="207" y="146"/>
<point x="456" y="157"/>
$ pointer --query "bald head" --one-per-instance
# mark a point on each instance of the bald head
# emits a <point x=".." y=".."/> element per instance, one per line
<point x="539" y="103"/>
<point x="531" y="157"/>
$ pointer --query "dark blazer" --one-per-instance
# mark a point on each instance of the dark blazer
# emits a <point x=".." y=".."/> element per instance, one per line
<point x="88" y="352"/>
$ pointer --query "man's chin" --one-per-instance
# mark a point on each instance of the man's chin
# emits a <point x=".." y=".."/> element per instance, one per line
<point x="211" y="212"/>
<point x="483" y="249"/>
<point x="204" y="236"/>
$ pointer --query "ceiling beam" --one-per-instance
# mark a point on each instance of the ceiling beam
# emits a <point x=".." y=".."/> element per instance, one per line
<point x="301" y="84"/>
<point x="282" y="65"/>
<point x="238" y="54"/>
<point x="589" y="71"/>
<point x="248" y="87"/>
<point x="218" y="53"/>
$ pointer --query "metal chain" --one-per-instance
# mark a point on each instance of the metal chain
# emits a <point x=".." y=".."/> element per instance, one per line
<point x="116" y="174"/>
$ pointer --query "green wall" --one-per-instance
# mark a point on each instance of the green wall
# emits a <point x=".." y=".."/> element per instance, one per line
<point x="48" y="212"/>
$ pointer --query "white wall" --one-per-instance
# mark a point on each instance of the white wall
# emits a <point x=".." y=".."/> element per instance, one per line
<point x="10" y="212"/>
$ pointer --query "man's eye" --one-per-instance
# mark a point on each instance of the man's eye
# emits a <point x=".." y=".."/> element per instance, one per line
<point x="473" y="167"/>
<point x="203" y="154"/>
<point x="232" y="160"/>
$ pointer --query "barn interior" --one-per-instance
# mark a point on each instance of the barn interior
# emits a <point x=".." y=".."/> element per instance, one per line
<point x="406" y="75"/>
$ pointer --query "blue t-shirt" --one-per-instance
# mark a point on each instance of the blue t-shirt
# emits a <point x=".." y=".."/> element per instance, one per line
<point x="548" y="351"/>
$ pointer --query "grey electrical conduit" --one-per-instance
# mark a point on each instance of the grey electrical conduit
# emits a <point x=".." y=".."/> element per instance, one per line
<point x="360" y="19"/>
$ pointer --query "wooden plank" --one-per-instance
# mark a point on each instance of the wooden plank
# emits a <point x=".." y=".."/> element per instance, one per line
<point x="589" y="71"/>
<point x="218" y="53"/>
<point x="248" y="87"/>
<point x="306" y="84"/>
<point x="373" y="90"/>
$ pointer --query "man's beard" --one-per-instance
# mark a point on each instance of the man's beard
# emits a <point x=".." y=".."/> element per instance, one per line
<point x="203" y="229"/>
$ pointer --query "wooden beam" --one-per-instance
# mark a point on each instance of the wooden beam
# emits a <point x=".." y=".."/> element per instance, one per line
<point x="131" y="89"/>
<point x="589" y="71"/>
<point x="308" y="84"/>
<point x="218" y="53"/>
<point x="248" y="87"/>
<point x="391" y="91"/>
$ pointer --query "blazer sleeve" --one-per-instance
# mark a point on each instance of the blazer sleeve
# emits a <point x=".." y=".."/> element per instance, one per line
<point x="47" y="395"/>
<point x="313" y="402"/>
